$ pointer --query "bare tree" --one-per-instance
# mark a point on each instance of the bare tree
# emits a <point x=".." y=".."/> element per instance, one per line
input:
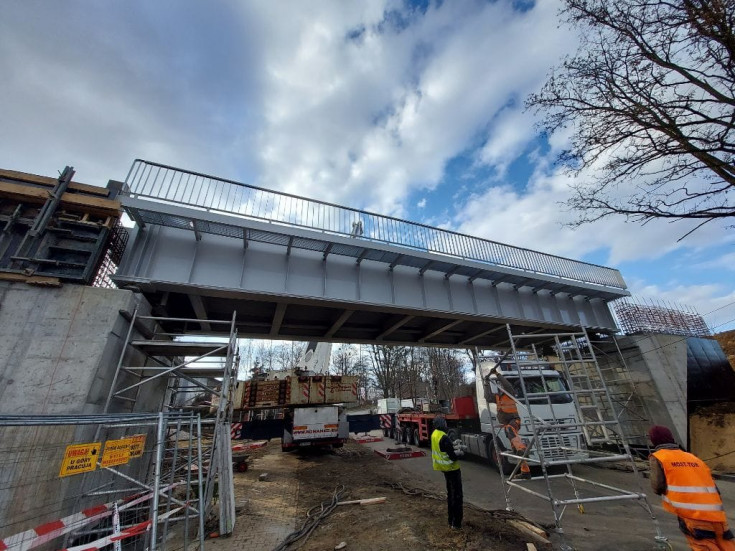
<point x="264" y="356"/>
<point x="412" y="374"/>
<point x="344" y="359"/>
<point x="386" y="363"/>
<point x="347" y="359"/>
<point x="447" y="370"/>
<point x="286" y="355"/>
<point x="650" y="96"/>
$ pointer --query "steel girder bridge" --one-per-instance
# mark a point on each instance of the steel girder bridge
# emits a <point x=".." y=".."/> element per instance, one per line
<point x="299" y="269"/>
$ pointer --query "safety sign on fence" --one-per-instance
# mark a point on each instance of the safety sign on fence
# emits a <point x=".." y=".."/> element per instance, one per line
<point x="117" y="452"/>
<point x="83" y="458"/>
<point x="80" y="458"/>
<point x="137" y="445"/>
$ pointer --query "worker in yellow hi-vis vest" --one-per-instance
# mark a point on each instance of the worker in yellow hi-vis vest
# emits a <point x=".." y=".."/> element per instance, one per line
<point x="686" y="486"/>
<point x="444" y="458"/>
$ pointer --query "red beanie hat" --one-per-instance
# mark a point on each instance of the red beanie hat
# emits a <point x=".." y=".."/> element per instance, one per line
<point x="660" y="435"/>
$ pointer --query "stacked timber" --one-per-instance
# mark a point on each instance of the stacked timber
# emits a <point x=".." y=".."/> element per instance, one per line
<point x="296" y="391"/>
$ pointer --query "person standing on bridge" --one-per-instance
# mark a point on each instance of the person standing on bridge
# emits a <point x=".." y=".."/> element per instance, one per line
<point x="444" y="458"/>
<point x="509" y="418"/>
<point x="686" y="486"/>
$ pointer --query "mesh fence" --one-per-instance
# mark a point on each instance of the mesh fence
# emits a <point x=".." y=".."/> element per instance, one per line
<point x="88" y="482"/>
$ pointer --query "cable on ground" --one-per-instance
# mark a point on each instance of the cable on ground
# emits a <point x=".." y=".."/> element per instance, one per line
<point x="313" y="517"/>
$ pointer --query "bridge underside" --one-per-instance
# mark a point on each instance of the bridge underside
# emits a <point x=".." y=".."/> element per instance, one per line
<point x="303" y="319"/>
<point x="299" y="284"/>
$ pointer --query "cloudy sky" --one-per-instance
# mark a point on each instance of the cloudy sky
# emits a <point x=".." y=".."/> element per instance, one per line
<point x="409" y="109"/>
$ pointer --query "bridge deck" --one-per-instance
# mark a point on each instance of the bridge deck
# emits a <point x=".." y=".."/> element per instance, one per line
<point x="377" y="278"/>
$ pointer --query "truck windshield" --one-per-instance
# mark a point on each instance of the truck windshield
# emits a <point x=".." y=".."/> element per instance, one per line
<point x="535" y="385"/>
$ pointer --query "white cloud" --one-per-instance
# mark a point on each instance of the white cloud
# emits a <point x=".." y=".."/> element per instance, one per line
<point x="367" y="121"/>
<point x="536" y="218"/>
<point x="362" y="104"/>
<point x="725" y="262"/>
<point x="96" y="86"/>
<point x="508" y="136"/>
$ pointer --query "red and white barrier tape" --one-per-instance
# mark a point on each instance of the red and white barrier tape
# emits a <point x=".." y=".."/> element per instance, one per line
<point x="23" y="541"/>
<point x="127" y="533"/>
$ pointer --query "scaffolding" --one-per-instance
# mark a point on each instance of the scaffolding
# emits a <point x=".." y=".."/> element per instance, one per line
<point x="190" y="365"/>
<point x="558" y="445"/>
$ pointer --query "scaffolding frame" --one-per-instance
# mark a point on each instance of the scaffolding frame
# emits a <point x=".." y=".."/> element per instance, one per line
<point x="598" y="421"/>
<point x="183" y="359"/>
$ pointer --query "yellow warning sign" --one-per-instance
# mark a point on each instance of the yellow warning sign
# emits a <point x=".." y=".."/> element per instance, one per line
<point x="80" y="458"/>
<point x="137" y="445"/>
<point x="117" y="452"/>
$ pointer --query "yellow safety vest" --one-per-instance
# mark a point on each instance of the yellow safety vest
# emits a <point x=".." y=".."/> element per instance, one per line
<point x="690" y="490"/>
<point x="439" y="458"/>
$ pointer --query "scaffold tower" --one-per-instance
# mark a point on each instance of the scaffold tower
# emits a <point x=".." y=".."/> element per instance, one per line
<point x="554" y="449"/>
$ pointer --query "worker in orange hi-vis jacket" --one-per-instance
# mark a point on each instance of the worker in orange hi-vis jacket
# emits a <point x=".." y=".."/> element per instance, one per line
<point x="509" y="418"/>
<point x="685" y="484"/>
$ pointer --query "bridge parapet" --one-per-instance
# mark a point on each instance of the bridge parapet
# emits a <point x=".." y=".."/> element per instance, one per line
<point x="165" y="184"/>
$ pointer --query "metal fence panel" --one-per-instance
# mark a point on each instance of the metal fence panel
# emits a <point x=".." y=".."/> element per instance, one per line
<point x="71" y="482"/>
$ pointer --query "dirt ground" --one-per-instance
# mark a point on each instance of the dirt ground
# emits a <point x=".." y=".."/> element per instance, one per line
<point x="410" y="518"/>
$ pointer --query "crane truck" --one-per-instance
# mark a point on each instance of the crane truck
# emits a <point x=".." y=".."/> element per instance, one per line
<point x="542" y="394"/>
<point x="303" y="406"/>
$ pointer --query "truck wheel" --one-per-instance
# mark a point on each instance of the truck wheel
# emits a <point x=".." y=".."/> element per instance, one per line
<point x="416" y="440"/>
<point x="500" y="462"/>
<point x="386" y="432"/>
<point x="453" y="435"/>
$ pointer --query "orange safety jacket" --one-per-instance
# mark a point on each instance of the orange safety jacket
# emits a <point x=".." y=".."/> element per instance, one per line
<point x="690" y="490"/>
<point x="505" y="403"/>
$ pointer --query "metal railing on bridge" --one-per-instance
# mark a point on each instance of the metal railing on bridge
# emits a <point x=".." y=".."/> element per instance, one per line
<point x="162" y="183"/>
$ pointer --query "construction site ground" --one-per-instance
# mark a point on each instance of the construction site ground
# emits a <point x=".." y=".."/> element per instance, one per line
<point x="275" y="494"/>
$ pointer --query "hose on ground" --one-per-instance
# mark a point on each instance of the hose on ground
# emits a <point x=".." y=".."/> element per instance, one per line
<point x="313" y="517"/>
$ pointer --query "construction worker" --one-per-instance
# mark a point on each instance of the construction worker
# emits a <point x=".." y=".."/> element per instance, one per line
<point x="508" y="417"/>
<point x="688" y="491"/>
<point x="444" y="458"/>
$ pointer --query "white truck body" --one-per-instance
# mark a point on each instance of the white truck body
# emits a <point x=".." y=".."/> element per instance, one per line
<point x="316" y="426"/>
<point x="557" y="408"/>
<point x="317" y="422"/>
<point x="388" y="405"/>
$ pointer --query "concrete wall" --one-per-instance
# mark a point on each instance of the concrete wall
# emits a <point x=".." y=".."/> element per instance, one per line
<point x="658" y="366"/>
<point x="59" y="349"/>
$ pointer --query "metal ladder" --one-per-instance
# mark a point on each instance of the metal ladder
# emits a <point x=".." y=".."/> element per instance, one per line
<point x="555" y="442"/>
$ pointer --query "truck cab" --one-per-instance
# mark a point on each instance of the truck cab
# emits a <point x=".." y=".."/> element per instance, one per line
<point x="543" y="394"/>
